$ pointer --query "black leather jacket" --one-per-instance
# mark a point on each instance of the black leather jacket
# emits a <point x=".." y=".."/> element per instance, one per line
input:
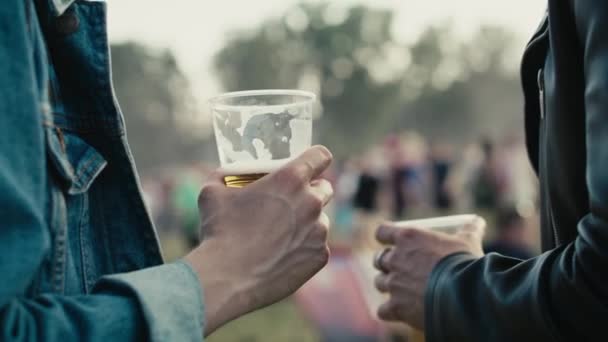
<point x="561" y="295"/>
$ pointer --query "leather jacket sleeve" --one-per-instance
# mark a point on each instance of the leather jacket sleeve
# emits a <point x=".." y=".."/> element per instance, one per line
<point x="562" y="294"/>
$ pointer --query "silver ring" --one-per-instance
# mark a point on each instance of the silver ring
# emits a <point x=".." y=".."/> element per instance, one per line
<point x="378" y="264"/>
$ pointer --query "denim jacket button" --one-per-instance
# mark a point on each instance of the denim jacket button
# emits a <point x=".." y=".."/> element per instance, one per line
<point x="67" y="23"/>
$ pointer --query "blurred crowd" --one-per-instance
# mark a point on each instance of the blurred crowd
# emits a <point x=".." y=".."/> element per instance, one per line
<point x="403" y="177"/>
<point x="408" y="177"/>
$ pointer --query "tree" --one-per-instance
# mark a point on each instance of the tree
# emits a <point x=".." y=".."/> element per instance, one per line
<point x="338" y="58"/>
<point x="369" y="84"/>
<point x="464" y="92"/>
<point x="157" y="104"/>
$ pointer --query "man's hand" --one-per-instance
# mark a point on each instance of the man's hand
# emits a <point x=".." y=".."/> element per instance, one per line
<point x="412" y="255"/>
<point x="262" y="242"/>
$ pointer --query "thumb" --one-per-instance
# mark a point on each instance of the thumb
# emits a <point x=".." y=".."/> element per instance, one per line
<point x="214" y="178"/>
<point x="213" y="189"/>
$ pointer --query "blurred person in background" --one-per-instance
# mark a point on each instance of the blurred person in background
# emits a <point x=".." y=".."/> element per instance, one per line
<point x="183" y="202"/>
<point x="521" y="189"/>
<point x="369" y="183"/>
<point x="463" y="176"/>
<point x="490" y="180"/>
<point x="346" y="186"/>
<point x="80" y="256"/>
<point x="441" y="167"/>
<point x="398" y="171"/>
<point x="166" y="218"/>
<point x="365" y="198"/>
<point x="511" y="235"/>
<point x="418" y="179"/>
<point x="445" y="284"/>
<point x="368" y="201"/>
<point x="406" y="155"/>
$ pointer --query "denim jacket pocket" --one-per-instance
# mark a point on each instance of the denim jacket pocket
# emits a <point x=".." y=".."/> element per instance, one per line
<point x="77" y="162"/>
<point x="74" y="165"/>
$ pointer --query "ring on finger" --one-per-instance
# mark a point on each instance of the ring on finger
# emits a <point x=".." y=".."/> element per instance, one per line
<point x="379" y="260"/>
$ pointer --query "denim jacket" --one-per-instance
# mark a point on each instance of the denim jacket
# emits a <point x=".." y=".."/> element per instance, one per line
<point x="80" y="260"/>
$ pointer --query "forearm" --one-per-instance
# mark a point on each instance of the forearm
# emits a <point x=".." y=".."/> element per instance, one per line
<point x="225" y="298"/>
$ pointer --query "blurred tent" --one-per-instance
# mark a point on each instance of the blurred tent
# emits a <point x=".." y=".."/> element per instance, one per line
<point x="335" y="302"/>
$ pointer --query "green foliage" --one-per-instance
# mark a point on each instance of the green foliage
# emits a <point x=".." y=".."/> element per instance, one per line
<point x="156" y="100"/>
<point x="277" y="323"/>
<point x="369" y="84"/>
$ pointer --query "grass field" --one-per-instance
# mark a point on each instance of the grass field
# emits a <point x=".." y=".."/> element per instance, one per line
<point x="278" y="323"/>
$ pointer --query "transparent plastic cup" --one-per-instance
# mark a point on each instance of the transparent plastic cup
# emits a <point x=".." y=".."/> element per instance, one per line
<point x="258" y="131"/>
<point x="444" y="224"/>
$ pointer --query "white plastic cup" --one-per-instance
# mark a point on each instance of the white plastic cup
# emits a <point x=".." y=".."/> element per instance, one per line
<point x="443" y="224"/>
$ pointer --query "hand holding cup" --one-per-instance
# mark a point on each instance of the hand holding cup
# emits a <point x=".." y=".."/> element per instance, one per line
<point x="413" y="250"/>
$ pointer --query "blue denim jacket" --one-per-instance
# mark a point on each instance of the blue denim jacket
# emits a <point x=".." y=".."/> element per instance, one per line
<point x="80" y="259"/>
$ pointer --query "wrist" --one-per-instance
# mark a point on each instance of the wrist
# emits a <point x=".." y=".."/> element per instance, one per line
<point x="225" y="296"/>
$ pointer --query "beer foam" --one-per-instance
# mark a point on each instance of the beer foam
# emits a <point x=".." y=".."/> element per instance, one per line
<point x="253" y="167"/>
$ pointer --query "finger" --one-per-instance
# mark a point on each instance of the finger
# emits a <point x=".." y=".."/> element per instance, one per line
<point x="213" y="186"/>
<point x="321" y="230"/>
<point x="387" y="312"/>
<point x="324" y="221"/>
<point x="381" y="282"/>
<point x="380" y="260"/>
<point x="323" y="190"/>
<point x="475" y="229"/>
<point x="213" y="190"/>
<point x="215" y="177"/>
<point x="312" y="163"/>
<point x="387" y="234"/>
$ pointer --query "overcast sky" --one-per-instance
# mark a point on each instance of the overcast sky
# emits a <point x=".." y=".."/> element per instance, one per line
<point x="195" y="29"/>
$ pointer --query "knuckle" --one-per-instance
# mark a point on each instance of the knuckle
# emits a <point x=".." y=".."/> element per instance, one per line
<point x="323" y="231"/>
<point x="381" y="231"/>
<point x="377" y="284"/>
<point x="387" y="310"/>
<point x="289" y="177"/>
<point x="382" y="311"/>
<point x="380" y="283"/>
<point x="390" y="260"/>
<point x="208" y="192"/>
<point x="324" y="256"/>
<point x="394" y="309"/>
<point x="392" y="281"/>
<point x="315" y="206"/>
<point x="406" y="234"/>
